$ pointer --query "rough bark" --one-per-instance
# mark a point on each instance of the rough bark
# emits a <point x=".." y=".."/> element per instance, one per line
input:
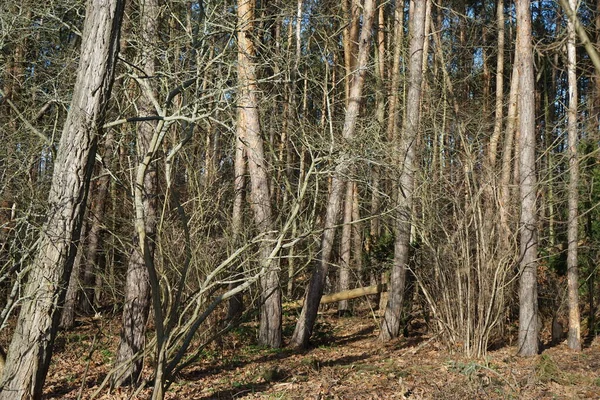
<point x="137" y="285"/>
<point x="30" y="351"/>
<point x="528" y="298"/>
<point x="574" y="337"/>
<point x="307" y="318"/>
<point x="406" y="153"/>
<point x="270" y="312"/>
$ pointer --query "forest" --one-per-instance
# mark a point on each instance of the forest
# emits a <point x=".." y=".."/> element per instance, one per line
<point x="299" y="199"/>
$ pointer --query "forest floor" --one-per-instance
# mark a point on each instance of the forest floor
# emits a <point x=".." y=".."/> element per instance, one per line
<point x="346" y="362"/>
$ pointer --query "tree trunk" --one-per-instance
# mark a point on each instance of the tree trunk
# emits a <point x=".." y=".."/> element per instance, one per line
<point x="30" y="351"/>
<point x="574" y="337"/>
<point x="236" y="302"/>
<point x="345" y="252"/>
<point x="495" y="139"/>
<point x="67" y="318"/>
<point x="507" y="157"/>
<point x="314" y="291"/>
<point x="137" y="284"/>
<point x="270" y="312"/>
<point x="406" y="152"/>
<point x="528" y="298"/>
<point x="97" y="209"/>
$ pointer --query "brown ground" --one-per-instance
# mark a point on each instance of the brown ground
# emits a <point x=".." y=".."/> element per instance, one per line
<point x="347" y="362"/>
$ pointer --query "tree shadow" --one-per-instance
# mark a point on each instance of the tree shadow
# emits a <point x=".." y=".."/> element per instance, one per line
<point x="238" y="391"/>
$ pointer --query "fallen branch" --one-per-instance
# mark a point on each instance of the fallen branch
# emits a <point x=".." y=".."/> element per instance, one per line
<point x="343" y="295"/>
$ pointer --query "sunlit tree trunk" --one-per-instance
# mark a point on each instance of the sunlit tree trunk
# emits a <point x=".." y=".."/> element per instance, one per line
<point x="137" y="285"/>
<point x="574" y="337"/>
<point x="345" y="251"/>
<point x="270" y="311"/>
<point x="507" y="158"/>
<point x="406" y="155"/>
<point x="314" y="291"/>
<point x="494" y="140"/>
<point x="236" y="304"/>
<point x="528" y="297"/>
<point x="30" y="350"/>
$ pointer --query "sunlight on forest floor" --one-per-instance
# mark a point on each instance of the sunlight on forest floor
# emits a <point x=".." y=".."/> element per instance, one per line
<point x="346" y="362"/>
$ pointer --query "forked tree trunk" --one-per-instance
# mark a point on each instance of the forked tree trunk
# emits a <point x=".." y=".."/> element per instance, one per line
<point x="574" y="337"/>
<point x="406" y="156"/>
<point x="270" y="311"/>
<point x="30" y="351"/>
<point x="307" y="318"/>
<point x="137" y="285"/>
<point x="528" y="297"/>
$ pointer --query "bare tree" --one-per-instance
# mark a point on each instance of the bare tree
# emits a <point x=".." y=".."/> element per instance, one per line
<point x="270" y="314"/>
<point x="31" y="348"/>
<point x="406" y="157"/>
<point x="137" y="285"/>
<point x="574" y="338"/>
<point x="314" y="291"/>
<point x="528" y="297"/>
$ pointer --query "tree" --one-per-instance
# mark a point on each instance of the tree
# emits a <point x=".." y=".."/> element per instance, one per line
<point x="137" y="285"/>
<point x="574" y="338"/>
<point x="30" y="350"/>
<point x="307" y="318"/>
<point x="406" y="157"/>
<point x="528" y="301"/>
<point x="249" y="135"/>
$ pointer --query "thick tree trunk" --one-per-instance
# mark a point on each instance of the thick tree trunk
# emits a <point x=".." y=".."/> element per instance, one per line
<point x="30" y="351"/>
<point x="137" y="285"/>
<point x="528" y="298"/>
<point x="574" y="337"/>
<point x="314" y="291"/>
<point x="390" y="327"/>
<point x="270" y="312"/>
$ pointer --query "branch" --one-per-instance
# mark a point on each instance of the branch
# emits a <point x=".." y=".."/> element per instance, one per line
<point x="583" y="36"/>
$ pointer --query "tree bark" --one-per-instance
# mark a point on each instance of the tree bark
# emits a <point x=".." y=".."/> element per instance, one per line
<point x="574" y="337"/>
<point x="94" y="242"/>
<point x="406" y="153"/>
<point x="137" y="285"/>
<point x="314" y="291"/>
<point x="528" y="297"/>
<point x="495" y="139"/>
<point x="30" y="351"/>
<point x="346" y="246"/>
<point x="270" y="312"/>
<point x="236" y="302"/>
